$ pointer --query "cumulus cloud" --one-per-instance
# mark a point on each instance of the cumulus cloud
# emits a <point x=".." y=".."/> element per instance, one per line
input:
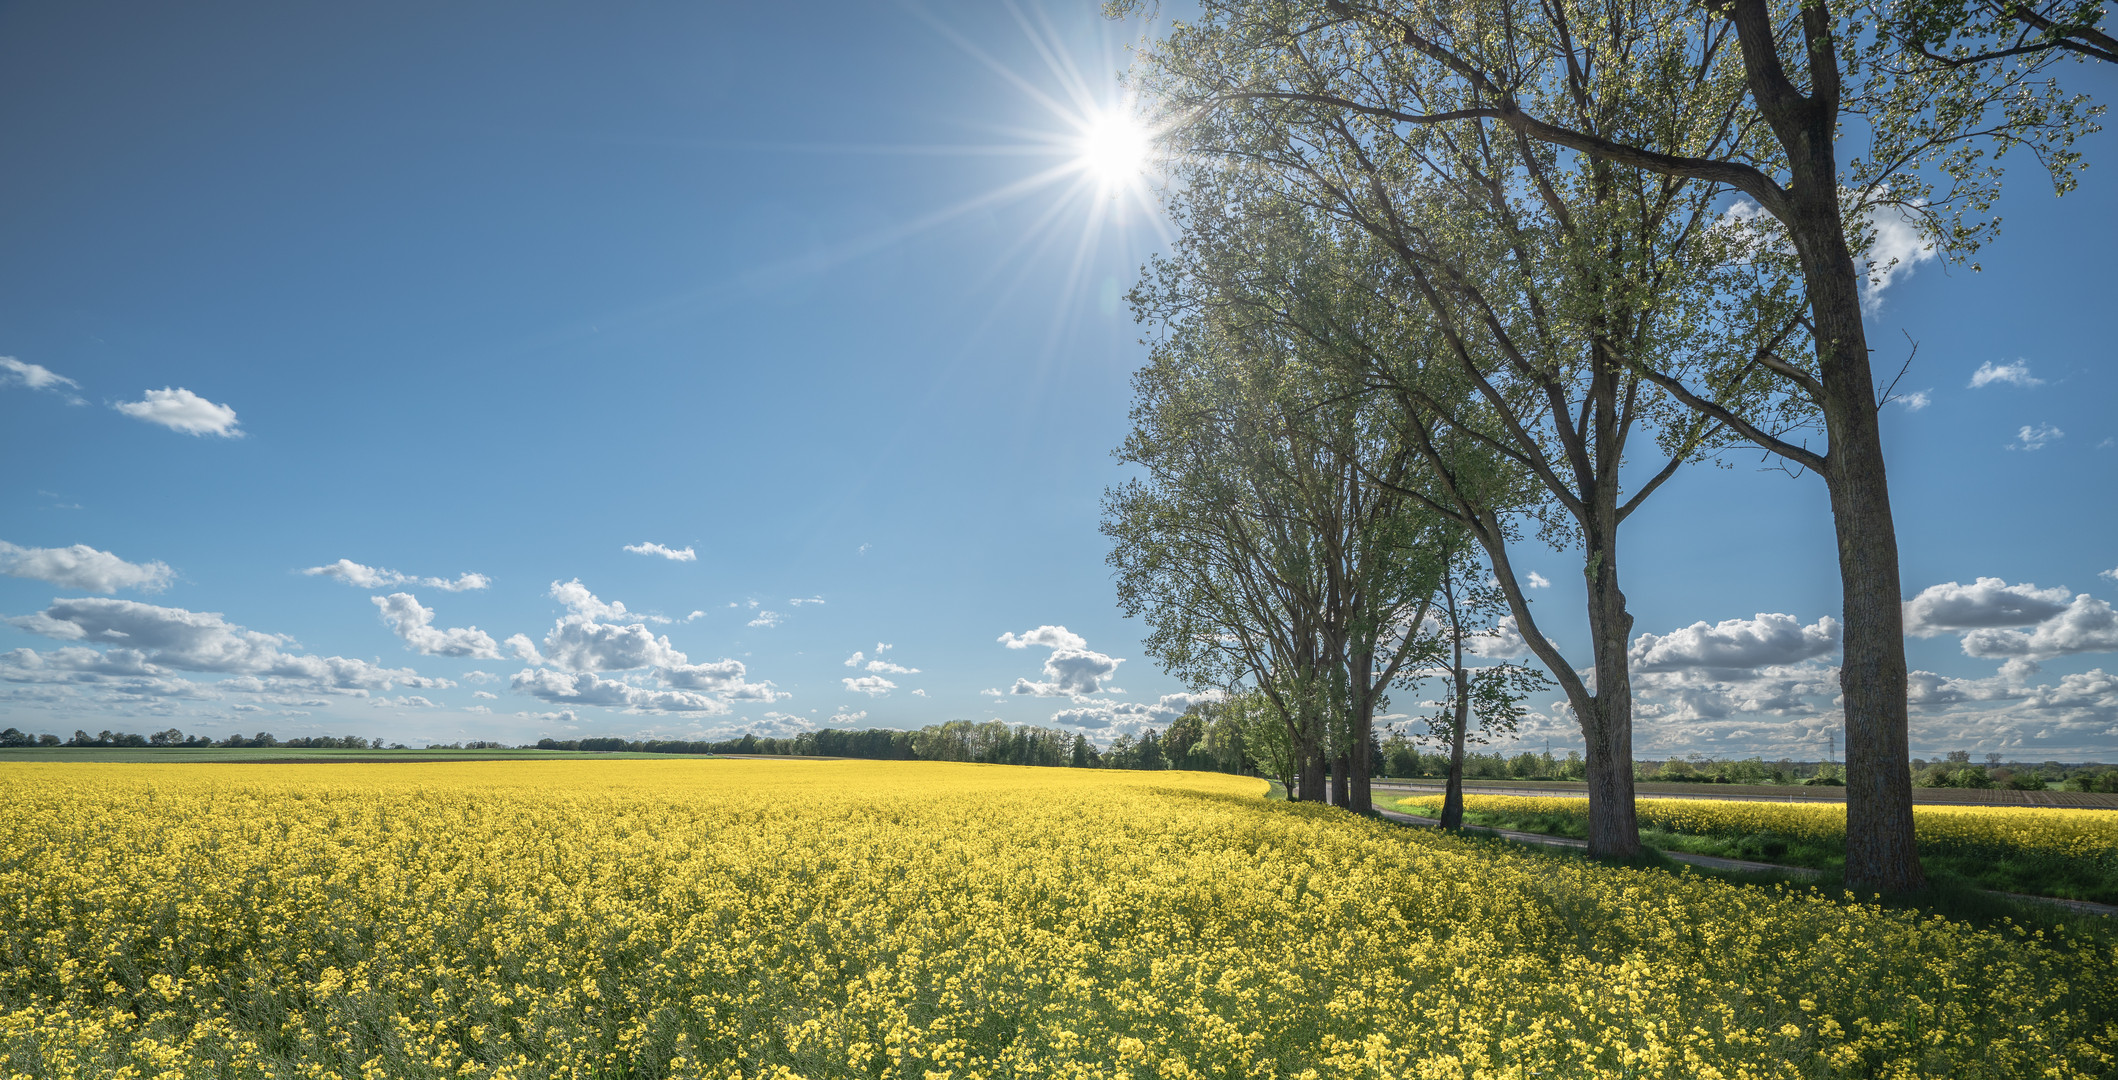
<point x="1053" y="637"/>
<point x="370" y="577"/>
<point x="1503" y="642"/>
<point x="402" y="613"/>
<point x="83" y="567"/>
<point x="1130" y="717"/>
<point x="646" y="547"/>
<point x="182" y="410"/>
<point x="1072" y="670"/>
<point x="1538" y="581"/>
<point x="842" y="716"/>
<point x="2085" y="625"/>
<point x="2111" y="574"/>
<point x="1763" y="641"/>
<point x="871" y="685"/>
<point x="1899" y="247"/>
<point x="156" y="638"/>
<point x="486" y="695"/>
<point x="588" y="688"/>
<point x="15" y="372"/>
<point x="919" y="693"/>
<point x="766" y="619"/>
<point x="582" y="643"/>
<point x="1987" y="602"/>
<point x="1915" y="400"/>
<point x="2036" y="437"/>
<point x="2015" y="374"/>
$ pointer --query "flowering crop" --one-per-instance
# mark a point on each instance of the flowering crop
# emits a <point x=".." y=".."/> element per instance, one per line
<point x="1978" y="831"/>
<point x="926" y="920"/>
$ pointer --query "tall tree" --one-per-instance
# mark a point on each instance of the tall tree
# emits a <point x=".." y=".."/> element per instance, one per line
<point x="1755" y="97"/>
<point x="1497" y="294"/>
<point x="1256" y="548"/>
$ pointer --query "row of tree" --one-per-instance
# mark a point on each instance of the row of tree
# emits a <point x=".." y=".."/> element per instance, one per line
<point x="173" y="738"/>
<point x="1455" y="275"/>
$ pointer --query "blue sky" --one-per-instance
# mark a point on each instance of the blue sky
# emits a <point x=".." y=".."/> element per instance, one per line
<point x="813" y="297"/>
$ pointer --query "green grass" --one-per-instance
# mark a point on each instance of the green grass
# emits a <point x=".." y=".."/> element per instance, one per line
<point x="2035" y="875"/>
<point x="166" y="756"/>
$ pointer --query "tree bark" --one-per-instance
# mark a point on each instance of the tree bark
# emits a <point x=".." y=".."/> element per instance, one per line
<point x="1452" y="792"/>
<point x="1881" y="853"/>
<point x="1614" y="828"/>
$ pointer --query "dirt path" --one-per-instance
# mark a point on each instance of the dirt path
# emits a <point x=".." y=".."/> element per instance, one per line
<point x="1710" y="861"/>
<point x="1768" y="793"/>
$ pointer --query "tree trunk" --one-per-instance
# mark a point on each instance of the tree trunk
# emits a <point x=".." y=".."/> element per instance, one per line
<point x="1313" y="778"/>
<point x="1881" y="854"/>
<point x="1341" y="784"/>
<point x="1361" y="794"/>
<point x="1613" y="827"/>
<point x="1452" y="792"/>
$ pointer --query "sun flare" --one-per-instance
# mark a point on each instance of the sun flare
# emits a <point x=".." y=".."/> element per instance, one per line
<point x="1114" y="148"/>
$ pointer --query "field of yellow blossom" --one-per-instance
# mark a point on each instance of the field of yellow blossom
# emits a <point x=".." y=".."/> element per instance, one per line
<point x="924" y="920"/>
<point x="2040" y="850"/>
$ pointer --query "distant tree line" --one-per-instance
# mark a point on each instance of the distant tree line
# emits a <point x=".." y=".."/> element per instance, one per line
<point x="173" y="739"/>
<point x="1210" y="737"/>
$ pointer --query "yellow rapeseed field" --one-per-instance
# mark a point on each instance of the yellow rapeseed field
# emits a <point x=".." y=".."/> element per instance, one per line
<point x="2090" y="835"/>
<point x="849" y="919"/>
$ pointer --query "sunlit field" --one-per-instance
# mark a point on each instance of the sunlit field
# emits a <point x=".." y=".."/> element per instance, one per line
<point x="856" y="919"/>
<point x="2050" y="852"/>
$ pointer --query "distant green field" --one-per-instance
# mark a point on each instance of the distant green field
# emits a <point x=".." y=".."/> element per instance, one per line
<point x="140" y="755"/>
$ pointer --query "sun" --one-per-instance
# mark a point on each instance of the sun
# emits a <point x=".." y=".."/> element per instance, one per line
<point x="1113" y="148"/>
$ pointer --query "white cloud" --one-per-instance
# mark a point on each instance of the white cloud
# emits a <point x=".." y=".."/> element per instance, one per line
<point x="1053" y="637"/>
<point x="1915" y="400"/>
<point x="871" y="685"/>
<point x="2111" y="573"/>
<point x="2085" y="625"/>
<point x="2015" y="374"/>
<point x="1539" y="581"/>
<point x="1131" y="717"/>
<point x="1987" y="602"/>
<point x="1734" y="644"/>
<point x="369" y="577"/>
<point x="799" y="601"/>
<point x="163" y="637"/>
<point x="844" y="717"/>
<point x="1503" y="642"/>
<point x="2034" y="437"/>
<point x="695" y="616"/>
<point x="889" y="668"/>
<point x="582" y="645"/>
<point x="83" y="567"/>
<point x="486" y="695"/>
<point x="1072" y="670"/>
<point x="402" y="613"/>
<point x="856" y="659"/>
<point x="581" y="602"/>
<point x="766" y="619"/>
<point x="34" y="376"/>
<point x="1897" y="248"/>
<point x="407" y="701"/>
<point x="919" y="693"/>
<point x="588" y="688"/>
<point x="646" y="547"/>
<point x="182" y="410"/>
<point x="992" y="692"/>
<point x="480" y="676"/>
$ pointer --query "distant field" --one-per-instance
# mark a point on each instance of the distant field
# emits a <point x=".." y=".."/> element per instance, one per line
<point x="1774" y="792"/>
<point x="285" y="755"/>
